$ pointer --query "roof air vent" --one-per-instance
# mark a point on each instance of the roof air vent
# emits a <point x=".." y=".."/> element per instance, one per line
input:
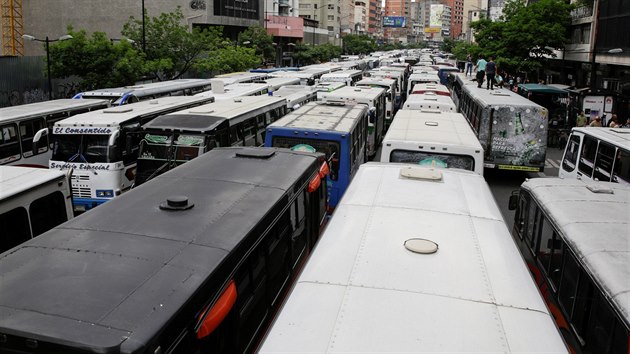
<point x="178" y="202"/>
<point x="600" y="189"/>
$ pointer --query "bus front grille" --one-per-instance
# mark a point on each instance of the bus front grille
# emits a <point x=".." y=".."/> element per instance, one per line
<point x="80" y="192"/>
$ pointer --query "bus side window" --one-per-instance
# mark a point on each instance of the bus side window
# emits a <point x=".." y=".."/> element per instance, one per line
<point x="604" y="162"/>
<point x="47" y="212"/>
<point x="9" y="143"/>
<point x="533" y="225"/>
<point x="571" y="155"/>
<point x="621" y="171"/>
<point x="602" y="326"/>
<point x="568" y="282"/>
<point x="520" y="217"/>
<point x="15" y="228"/>
<point x="27" y="132"/>
<point x="587" y="158"/>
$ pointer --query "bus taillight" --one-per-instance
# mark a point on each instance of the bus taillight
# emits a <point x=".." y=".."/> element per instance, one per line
<point x="212" y="317"/>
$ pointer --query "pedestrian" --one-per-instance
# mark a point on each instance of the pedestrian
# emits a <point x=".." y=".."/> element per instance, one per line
<point x="491" y="70"/>
<point x="499" y="80"/>
<point x="614" y="123"/>
<point x="469" y="65"/>
<point x="627" y="124"/>
<point x="580" y="120"/>
<point x="597" y="122"/>
<point x="480" y="67"/>
<point x="511" y="82"/>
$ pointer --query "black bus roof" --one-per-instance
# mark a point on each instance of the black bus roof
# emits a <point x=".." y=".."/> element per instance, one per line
<point x="184" y="122"/>
<point x="109" y="280"/>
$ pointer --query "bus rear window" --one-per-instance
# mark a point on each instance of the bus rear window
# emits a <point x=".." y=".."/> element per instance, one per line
<point x="328" y="147"/>
<point x="439" y="160"/>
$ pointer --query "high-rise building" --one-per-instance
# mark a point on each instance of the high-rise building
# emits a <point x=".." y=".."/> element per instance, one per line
<point x="375" y="22"/>
<point x="457" y="17"/>
<point x="397" y="24"/>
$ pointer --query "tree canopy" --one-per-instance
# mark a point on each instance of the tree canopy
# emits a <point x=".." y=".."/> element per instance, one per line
<point x="260" y="40"/>
<point x="358" y="44"/>
<point x="526" y="34"/>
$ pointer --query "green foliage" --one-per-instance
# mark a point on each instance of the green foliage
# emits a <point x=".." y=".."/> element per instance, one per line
<point x="526" y="34"/>
<point x="306" y="55"/>
<point x="228" y="59"/>
<point x="259" y="39"/>
<point x="358" y="44"/>
<point x="97" y="60"/>
<point x="447" y="45"/>
<point x="171" y="49"/>
<point x="461" y="49"/>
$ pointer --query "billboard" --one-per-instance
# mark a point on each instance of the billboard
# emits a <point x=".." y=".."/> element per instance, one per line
<point x="435" y="19"/>
<point x="394" y="21"/>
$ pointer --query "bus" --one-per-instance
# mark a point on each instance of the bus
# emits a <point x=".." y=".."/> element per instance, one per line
<point x="574" y="236"/>
<point x="349" y="77"/>
<point x="601" y="154"/>
<point x="197" y="261"/>
<point x="149" y="91"/>
<point x="275" y="83"/>
<point x="443" y="70"/>
<point x="242" y="77"/>
<point x="511" y="128"/>
<point x="307" y="75"/>
<point x="422" y="77"/>
<point x="296" y="95"/>
<point x="32" y="201"/>
<point x="24" y="140"/>
<point x="430" y="100"/>
<point x="375" y="99"/>
<point x="390" y="86"/>
<point x="221" y="92"/>
<point x="175" y="138"/>
<point x="439" y="89"/>
<point x="404" y="76"/>
<point x="395" y="75"/>
<point x="556" y="101"/>
<point x="337" y="130"/>
<point x="323" y="87"/>
<point x="433" y="138"/>
<point x="101" y="147"/>
<point x="415" y="260"/>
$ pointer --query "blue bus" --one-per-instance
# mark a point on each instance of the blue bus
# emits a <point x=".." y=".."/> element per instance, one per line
<point x="339" y="130"/>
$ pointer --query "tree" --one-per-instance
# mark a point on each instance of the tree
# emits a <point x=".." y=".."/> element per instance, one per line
<point x="259" y="39"/>
<point x="358" y="44"/>
<point x="228" y="59"/>
<point x="525" y="35"/>
<point x="97" y="60"/>
<point x="305" y="55"/>
<point x="171" y="49"/>
<point x="461" y="49"/>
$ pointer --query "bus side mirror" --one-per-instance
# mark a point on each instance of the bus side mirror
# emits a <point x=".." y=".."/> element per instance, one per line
<point x="128" y="142"/>
<point x="513" y="201"/>
<point x="37" y="137"/>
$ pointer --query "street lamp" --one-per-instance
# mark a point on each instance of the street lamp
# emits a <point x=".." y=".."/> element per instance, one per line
<point x="47" y="41"/>
<point x="144" y="38"/>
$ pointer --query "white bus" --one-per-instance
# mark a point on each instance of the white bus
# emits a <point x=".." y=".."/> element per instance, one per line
<point x="430" y="100"/>
<point x="395" y="75"/>
<point x="388" y="84"/>
<point x="241" y="77"/>
<point x="439" y="89"/>
<point x="324" y="87"/>
<point x="24" y="139"/>
<point x="173" y="139"/>
<point x="32" y="201"/>
<point x="349" y="77"/>
<point x="375" y="99"/>
<point x="296" y="95"/>
<point x="433" y="138"/>
<point x="307" y="75"/>
<point x="101" y="147"/>
<point x="275" y="83"/>
<point x="421" y="78"/>
<point x="222" y="92"/>
<point x="597" y="153"/>
<point x="130" y="94"/>
<point x="574" y="236"/>
<point x="415" y="260"/>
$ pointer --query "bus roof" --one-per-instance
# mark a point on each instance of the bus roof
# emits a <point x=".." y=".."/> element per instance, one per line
<point x="341" y="73"/>
<point x="294" y="93"/>
<point x="615" y="136"/>
<point x="238" y="77"/>
<point x="328" y="86"/>
<point x="430" y="87"/>
<point x="116" y="281"/>
<point x="277" y="82"/>
<point x="15" y="180"/>
<point x="46" y="108"/>
<point x="376" y="80"/>
<point x="363" y="291"/>
<point x="429" y="100"/>
<point x="323" y="117"/>
<point x="498" y="97"/>
<point x="353" y="93"/>
<point x="114" y="116"/>
<point x="432" y="127"/>
<point x="238" y="89"/>
<point x="596" y="227"/>
<point x="538" y="88"/>
<point x="147" y="89"/>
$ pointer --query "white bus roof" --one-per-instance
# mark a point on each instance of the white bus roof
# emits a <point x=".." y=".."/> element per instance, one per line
<point x="353" y="94"/>
<point x="362" y="291"/>
<point x="424" y="76"/>
<point x="432" y="127"/>
<point x="277" y="82"/>
<point x="328" y="86"/>
<point x="596" y="226"/>
<point x="430" y="87"/>
<point x="234" y="90"/>
<point x="340" y="74"/>
<point x="114" y="116"/>
<point x="378" y="81"/>
<point x="498" y="96"/>
<point x="293" y="93"/>
<point x="323" y="117"/>
<point x="46" y="108"/>
<point x="237" y="77"/>
<point x="615" y="136"/>
<point x="430" y="100"/>
<point x="148" y="89"/>
<point x="15" y="180"/>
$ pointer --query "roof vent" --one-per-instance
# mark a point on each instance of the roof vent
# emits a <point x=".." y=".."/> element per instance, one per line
<point x="431" y="123"/>
<point x="600" y="189"/>
<point x="118" y="109"/>
<point x="256" y="153"/>
<point x="178" y="202"/>
<point x="620" y="130"/>
<point x="421" y="246"/>
<point x="202" y="110"/>
<point x="153" y="102"/>
<point x="421" y="173"/>
<point x="238" y="99"/>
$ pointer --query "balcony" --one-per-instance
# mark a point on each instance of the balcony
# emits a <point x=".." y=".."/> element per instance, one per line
<point x="581" y="12"/>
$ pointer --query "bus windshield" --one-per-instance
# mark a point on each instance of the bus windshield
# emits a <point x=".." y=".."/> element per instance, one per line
<point x="159" y="153"/>
<point x="328" y="147"/>
<point x="81" y="148"/>
<point x="430" y="159"/>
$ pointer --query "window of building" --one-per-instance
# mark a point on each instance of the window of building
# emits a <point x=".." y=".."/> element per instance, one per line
<point x="305" y="6"/>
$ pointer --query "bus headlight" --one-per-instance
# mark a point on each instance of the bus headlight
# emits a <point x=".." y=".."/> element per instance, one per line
<point x="104" y="193"/>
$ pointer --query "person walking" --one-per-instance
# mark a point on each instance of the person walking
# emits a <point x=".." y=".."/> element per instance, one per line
<point x="597" y="122"/>
<point x="580" y="120"/>
<point x="480" y="67"/>
<point x="469" y="65"/>
<point x="614" y="123"/>
<point x="491" y="70"/>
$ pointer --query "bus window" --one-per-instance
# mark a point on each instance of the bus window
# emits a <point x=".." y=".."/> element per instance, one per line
<point x="604" y="162"/>
<point x="555" y="266"/>
<point x="15" y="228"/>
<point x="27" y="132"/>
<point x="47" y="212"/>
<point x="589" y="149"/>
<point x="546" y="248"/>
<point x="600" y="327"/>
<point x="533" y="223"/>
<point x="9" y="145"/>
<point x="568" y="282"/>
<point x="580" y="314"/>
<point x="570" y="157"/>
<point x="621" y="170"/>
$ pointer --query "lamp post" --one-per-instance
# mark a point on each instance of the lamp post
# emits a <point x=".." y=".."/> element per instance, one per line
<point x="144" y="38"/>
<point x="47" y="41"/>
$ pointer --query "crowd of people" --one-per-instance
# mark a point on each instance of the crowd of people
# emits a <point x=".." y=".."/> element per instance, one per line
<point x="582" y="121"/>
